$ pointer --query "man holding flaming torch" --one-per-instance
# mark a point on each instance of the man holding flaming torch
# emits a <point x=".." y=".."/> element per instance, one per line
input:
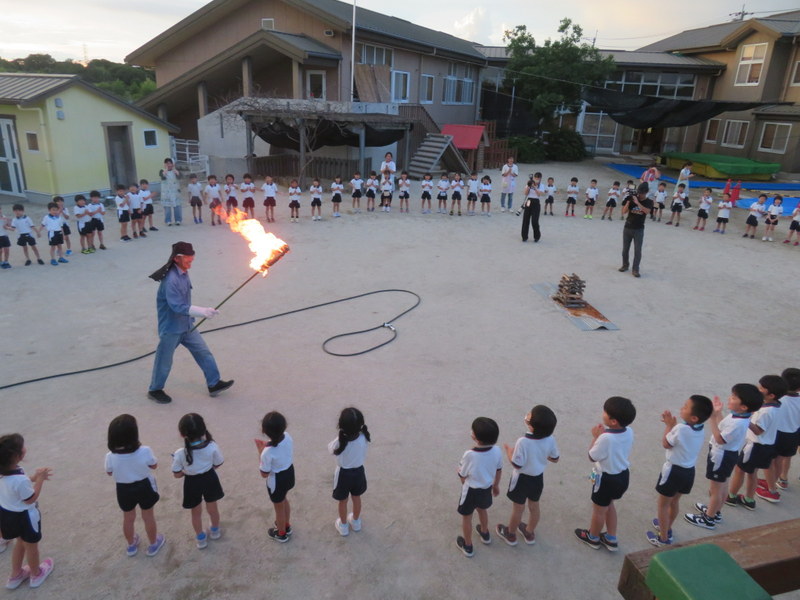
<point x="175" y="325"/>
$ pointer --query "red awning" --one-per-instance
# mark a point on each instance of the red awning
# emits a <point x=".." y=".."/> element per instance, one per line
<point x="465" y="137"/>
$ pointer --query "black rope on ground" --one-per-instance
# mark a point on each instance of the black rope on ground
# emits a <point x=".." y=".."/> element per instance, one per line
<point x="387" y="325"/>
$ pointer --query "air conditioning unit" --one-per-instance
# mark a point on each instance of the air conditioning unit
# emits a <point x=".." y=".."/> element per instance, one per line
<point x="329" y="33"/>
<point x="268" y="24"/>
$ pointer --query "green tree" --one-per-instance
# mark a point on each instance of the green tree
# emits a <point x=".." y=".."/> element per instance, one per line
<point x="551" y="75"/>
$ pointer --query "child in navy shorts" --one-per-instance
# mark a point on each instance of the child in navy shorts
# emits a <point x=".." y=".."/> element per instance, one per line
<point x="682" y="442"/>
<point x="610" y="451"/>
<point x="131" y="465"/>
<point x="479" y="470"/>
<point x="790" y="417"/>
<point x="277" y="468"/>
<point x="19" y="513"/>
<point x="775" y="387"/>
<point x="727" y="438"/>
<point x="349" y="480"/>
<point x="197" y="463"/>
<point x="529" y="457"/>
<point x="759" y="446"/>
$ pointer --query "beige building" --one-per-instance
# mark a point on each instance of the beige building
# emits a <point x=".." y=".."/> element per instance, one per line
<point x="301" y="49"/>
<point x="760" y="62"/>
<point x="62" y="136"/>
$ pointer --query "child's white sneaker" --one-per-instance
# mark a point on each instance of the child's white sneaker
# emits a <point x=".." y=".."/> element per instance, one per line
<point x="354" y="523"/>
<point x="342" y="528"/>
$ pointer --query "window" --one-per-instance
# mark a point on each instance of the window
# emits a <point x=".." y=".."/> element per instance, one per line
<point x="315" y="85"/>
<point x="735" y="134"/>
<point x="400" y="86"/>
<point x="268" y="24"/>
<point x="653" y="83"/>
<point x="796" y="76"/>
<point x="459" y="84"/>
<point x="426" y="89"/>
<point x="712" y="131"/>
<point x="367" y="54"/>
<point x="150" y="138"/>
<point x="775" y="137"/>
<point x="33" y="141"/>
<point x="750" y="64"/>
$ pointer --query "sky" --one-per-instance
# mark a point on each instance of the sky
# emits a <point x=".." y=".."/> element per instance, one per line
<point x="111" y="29"/>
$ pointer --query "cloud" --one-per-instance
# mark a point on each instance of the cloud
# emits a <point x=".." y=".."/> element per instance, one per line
<point x="472" y="25"/>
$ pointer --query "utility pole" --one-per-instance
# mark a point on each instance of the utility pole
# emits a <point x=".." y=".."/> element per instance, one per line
<point x="739" y="16"/>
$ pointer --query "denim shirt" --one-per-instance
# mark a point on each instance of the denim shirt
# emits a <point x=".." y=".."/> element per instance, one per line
<point x="173" y="300"/>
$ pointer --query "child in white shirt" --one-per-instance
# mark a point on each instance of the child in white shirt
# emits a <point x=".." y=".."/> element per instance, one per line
<point x="356" y="183"/>
<point x="757" y="210"/>
<point x="794" y="227"/>
<point x="472" y="193"/>
<point x="387" y="189"/>
<point x="270" y="190"/>
<point x="611" y="203"/>
<point x="337" y="189"/>
<point x="213" y="195"/>
<point x="774" y="213"/>
<point x="678" y="202"/>
<point x="404" y="187"/>
<point x="97" y="211"/>
<point x="572" y="197"/>
<point x="294" y="201"/>
<point x="550" y="195"/>
<point x="591" y="198"/>
<point x="706" y="201"/>
<point x="316" y="200"/>
<point x="456" y="186"/>
<point x="195" y="191"/>
<point x="372" y="190"/>
<point x="147" y="205"/>
<point x="486" y="196"/>
<point x="248" y="190"/>
<point x="443" y="186"/>
<point x="723" y="212"/>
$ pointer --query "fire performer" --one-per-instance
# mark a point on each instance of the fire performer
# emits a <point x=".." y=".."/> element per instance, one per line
<point x="175" y="318"/>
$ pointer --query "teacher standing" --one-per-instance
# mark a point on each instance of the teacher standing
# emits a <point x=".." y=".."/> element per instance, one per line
<point x="636" y="206"/>
<point x="175" y="325"/>
<point x="532" y="207"/>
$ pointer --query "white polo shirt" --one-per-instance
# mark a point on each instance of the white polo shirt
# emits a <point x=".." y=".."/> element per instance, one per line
<point x="81" y="214"/>
<point x="531" y="454"/>
<point x="686" y="442"/>
<point x="102" y="210"/>
<point x="592" y="193"/>
<point x="611" y="450"/>
<point x="132" y="466"/>
<point x="775" y="211"/>
<point x="404" y="184"/>
<point x="572" y="191"/>
<point x="486" y="188"/>
<point x="203" y="458"/>
<point x="733" y="430"/>
<point x="479" y="467"/>
<point x="336" y="188"/>
<point x="357" y="184"/>
<point x="23" y="225"/>
<point x="443" y="185"/>
<point x="194" y="189"/>
<point x="294" y="194"/>
<point x="270" y="190"/>
<point x="426" y="184"/>
<point x="14" y="490"/>
<point x="724" y="209"/>
<point x="472" y="185"/>
<point x="316" y="192"/>
<point x="275" y="459"/>
<point x="135" y="200"/>
<point x="354" y="453"/>
<point x="53" y="224"/>
<point x="789" y="413"/>
<point x="213" y="191"/>
<point x="706" y="202"/>
<point x="122" y="203"/>
<point x="147" y="197"/>
<point x="767" y="419"/>
<point x="247" y="189"/>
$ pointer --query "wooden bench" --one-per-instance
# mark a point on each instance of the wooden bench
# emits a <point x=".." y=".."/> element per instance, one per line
<point x="769" y="553"/>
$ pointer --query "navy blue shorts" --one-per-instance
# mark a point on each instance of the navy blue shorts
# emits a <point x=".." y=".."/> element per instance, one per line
<point x="26" y="239"/>
<point x="679" y="481"/>
<point x="4" y="241"/>
<point x="426" y="195"/>
<point x="760" y="458"/>
<point x="139" y="493"/>
<point x="528" y="487"/>
<point x="786" y="443"/>
<point x="18" y="525"/>
<point x="725" y="468"/>
<point x="284" y="481"/>
<point x="205" y="486"/>
<point x="475" y="498"/>
<point x="349" y="482"/>
<point x="612" y="487"/>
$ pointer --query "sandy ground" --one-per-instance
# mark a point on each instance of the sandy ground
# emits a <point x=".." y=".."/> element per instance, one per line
<point x="709" y="311"/>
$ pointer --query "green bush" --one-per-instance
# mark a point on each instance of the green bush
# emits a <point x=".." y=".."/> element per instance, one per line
<point x="529" y="149"/>
<point x="565" y="145"/>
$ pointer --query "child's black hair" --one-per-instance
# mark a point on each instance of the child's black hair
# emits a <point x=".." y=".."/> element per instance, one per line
<point x="144" y="182"/>
<point x="537" y="175"/>
<point x="94" y="194"/>
<point x="11" y="446"/>
<point x="777" y="197"/>
<point x="471" y="174"/>
<point x="18" y="207"/>
<point x="273" y="425"/>
<point x="487" y="179"/>
<point x="58" y="198"/>
<point x="51" y="205"/>
<point x="616" y="183"/>
<point x="792" y="378"/>
<point x="749" y="395"/>
<point x="486" y="431"/>
<point x="702" y="407"/>
<point x="373" y="174"/>
<point x="123" y="434"/>
<point x="351" y="425"/>
<point x="231" y="176"/>
<point x="134" y="184"/>
<point x="403" y="173"/>
<point x="775" y="385"/>
<point x="210" y="177"/>
<point x="543" y="420"/>
<point x="682" y="186"/>
<point x="620" y="409"/>
<point x="121" y="186"/>
<point x="247" y="176"/>
<point x="427" y="175"/>
<point x="168" y="160"/>
<point x="193" y="428"/>
<point x="593" y="181"/>
<point x="80" y="197"/>
<point x="574" y="180"/>
<point x="192" y="175"/>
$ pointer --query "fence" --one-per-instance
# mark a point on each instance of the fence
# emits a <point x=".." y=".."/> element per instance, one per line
<point x="287" y="166"/>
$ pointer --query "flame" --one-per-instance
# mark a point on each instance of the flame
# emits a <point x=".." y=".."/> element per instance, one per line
<point x="267" y="248"/>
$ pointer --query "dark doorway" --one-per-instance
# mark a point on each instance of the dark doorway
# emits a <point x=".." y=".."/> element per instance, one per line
<point x="119" y="149"/>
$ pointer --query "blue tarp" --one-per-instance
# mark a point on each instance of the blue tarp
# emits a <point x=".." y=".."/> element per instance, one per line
<point x="635" y="171"/>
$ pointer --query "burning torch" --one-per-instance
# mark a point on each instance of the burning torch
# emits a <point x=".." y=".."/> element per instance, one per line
<point x="267" y="248"/>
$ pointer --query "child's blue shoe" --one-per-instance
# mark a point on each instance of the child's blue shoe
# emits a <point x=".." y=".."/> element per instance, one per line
<point x="54" y="262"/>
<point x="202" y="540"/>
<point x="63" y="260"/>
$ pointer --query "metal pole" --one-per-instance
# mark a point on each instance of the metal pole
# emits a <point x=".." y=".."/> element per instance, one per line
<point x="228" y="297"/>
<point x="353" y="56"/>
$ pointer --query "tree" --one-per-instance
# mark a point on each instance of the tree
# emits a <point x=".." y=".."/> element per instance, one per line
<point x="551" y="75"/>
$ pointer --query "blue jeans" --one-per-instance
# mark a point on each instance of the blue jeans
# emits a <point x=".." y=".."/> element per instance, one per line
<point x="503" y="199"/>
<point x="168" y="210"/>
<point x="193" y="342"/>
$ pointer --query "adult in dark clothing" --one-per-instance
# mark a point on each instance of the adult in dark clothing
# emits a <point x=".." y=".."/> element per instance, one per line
<point x="636" y="206"/>
<point x="175" y="324"/>
<point x="531" y="207"/>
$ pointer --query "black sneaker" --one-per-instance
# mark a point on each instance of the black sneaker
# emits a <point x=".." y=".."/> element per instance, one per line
<point x="468" y="551"/>
<point x="486" y="537"/>
<point x="40" y="261"/>
<point x="623" y="268"/>
<point x="509" y="537"/>
<point x="731" y="500"/>
<point x="28" y="263"/>
<point x="219" y="387"/>
<point x="700" y="520"/>
<point x="744" y="502"/>
<point x="275" y="536"/>
<point x="717" y="518"/>
<point x="583" y="535"/>
<point x="154" y="229"/>
<point x="611" y="546"/>
<point x="159" y="396"/>
<point x="288" y="528"/>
